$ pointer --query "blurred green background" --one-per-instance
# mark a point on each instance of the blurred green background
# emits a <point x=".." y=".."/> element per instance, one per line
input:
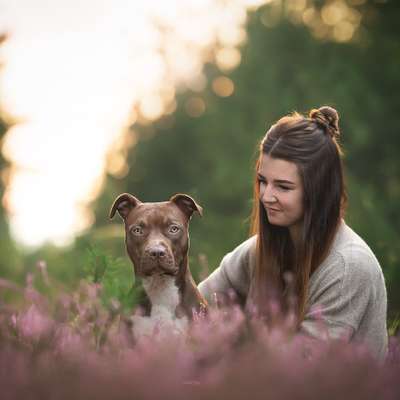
<point x="287" y="65"/>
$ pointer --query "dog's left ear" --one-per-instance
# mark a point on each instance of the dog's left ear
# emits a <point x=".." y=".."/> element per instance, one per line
<point x="187" y="205"/>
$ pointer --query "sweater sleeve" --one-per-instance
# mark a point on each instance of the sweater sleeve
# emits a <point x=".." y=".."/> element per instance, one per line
<point x="232" y="275"/>
<point x="339" y="296"/>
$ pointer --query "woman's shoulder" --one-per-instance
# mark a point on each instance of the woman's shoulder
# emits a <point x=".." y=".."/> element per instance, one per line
<point x="352" y="246"/>
<point x="353" y="254"/>
<point x="350" y="268"/>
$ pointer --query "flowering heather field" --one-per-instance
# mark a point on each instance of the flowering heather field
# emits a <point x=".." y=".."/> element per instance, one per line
<point x="74" y="346"/>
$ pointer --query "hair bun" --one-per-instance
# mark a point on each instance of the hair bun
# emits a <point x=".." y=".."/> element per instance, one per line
<point x="328" y="118"/>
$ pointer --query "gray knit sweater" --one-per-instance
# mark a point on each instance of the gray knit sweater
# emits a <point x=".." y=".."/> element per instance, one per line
<point x="347" y="292"/>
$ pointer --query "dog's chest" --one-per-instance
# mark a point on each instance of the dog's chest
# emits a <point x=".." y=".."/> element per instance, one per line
<point x="164" y="297"/>
<point x="163" y="294"/>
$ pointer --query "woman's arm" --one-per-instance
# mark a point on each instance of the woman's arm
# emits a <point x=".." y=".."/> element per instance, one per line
<point x="232" y="275"/>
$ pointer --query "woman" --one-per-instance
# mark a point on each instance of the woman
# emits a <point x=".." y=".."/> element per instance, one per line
<point x="298" y="231"/>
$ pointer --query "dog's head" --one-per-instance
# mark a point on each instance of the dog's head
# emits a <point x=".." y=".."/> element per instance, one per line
<point x="156" y="234"/>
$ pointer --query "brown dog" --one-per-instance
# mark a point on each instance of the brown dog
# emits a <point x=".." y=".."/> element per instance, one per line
<point x="157" y="242"/>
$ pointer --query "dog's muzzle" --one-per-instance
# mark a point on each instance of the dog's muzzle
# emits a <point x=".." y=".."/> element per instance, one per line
<point x="157" y="259"/>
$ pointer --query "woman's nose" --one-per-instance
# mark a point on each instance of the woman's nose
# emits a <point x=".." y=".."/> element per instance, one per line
<point x="267" y="196"/>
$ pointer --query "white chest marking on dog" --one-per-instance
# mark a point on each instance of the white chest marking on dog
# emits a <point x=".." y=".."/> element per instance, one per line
<point x="164" y="297"/>
<point x="162" y="292"/>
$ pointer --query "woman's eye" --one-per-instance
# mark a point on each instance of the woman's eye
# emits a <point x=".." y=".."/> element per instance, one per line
<point x="285" y="188"/>
<point x="137" y="230"/>
<point x="173" y="229"/>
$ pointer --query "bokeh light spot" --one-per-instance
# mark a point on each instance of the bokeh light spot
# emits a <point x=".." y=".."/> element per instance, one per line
<point x="271" y="15"/>
<point x="151" y="107"/>
<point x="332" y="13"/>
<point x="195" y="107"/>
<point x="223" y="86"/>
<point x="343" y="31"/>
<point x="228" y="58"/>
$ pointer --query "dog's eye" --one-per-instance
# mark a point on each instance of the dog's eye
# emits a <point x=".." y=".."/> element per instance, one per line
<point x="174" y="229"/>
<point x="137" y="230"/>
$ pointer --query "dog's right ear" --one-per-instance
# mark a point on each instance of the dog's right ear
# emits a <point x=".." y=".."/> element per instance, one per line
<point x="124" y="204"/>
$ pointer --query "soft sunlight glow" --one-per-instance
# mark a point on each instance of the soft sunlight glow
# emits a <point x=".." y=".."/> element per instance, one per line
<point x="77" y="74"/>
<point x="73" y="74"/>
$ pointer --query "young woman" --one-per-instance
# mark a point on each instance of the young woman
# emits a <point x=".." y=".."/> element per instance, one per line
<point x="299" y="231"/>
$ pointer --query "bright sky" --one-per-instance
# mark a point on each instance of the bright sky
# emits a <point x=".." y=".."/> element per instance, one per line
<point x="73" y="71"/>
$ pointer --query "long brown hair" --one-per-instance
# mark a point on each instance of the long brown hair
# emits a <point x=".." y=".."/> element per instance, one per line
<point x="312" y="144"/>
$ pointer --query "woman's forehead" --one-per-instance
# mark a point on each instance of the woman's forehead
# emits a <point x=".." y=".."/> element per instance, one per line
<point x="278" y="169"/>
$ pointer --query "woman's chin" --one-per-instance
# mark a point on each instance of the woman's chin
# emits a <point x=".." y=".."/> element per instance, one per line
<point x="275" y="217"/>
<point x="276" y="221"/>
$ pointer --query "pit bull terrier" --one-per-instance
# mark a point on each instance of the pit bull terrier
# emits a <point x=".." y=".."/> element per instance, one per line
<point x="157" y="242"/>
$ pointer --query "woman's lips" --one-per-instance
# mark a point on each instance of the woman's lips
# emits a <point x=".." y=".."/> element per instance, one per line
<point x="272" y="209"/>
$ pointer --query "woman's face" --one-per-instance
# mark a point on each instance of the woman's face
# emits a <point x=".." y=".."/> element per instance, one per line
<point x="281" y="191"/>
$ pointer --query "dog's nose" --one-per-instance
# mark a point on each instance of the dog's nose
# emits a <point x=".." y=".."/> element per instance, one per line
<point x="157" y="252"/>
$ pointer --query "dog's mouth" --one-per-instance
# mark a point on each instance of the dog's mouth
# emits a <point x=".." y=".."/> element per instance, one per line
<point x="160" y="273"/>
<point x="167" y="274"/>
<point x="158" y="266"/>
<point x="159" y="270"/>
